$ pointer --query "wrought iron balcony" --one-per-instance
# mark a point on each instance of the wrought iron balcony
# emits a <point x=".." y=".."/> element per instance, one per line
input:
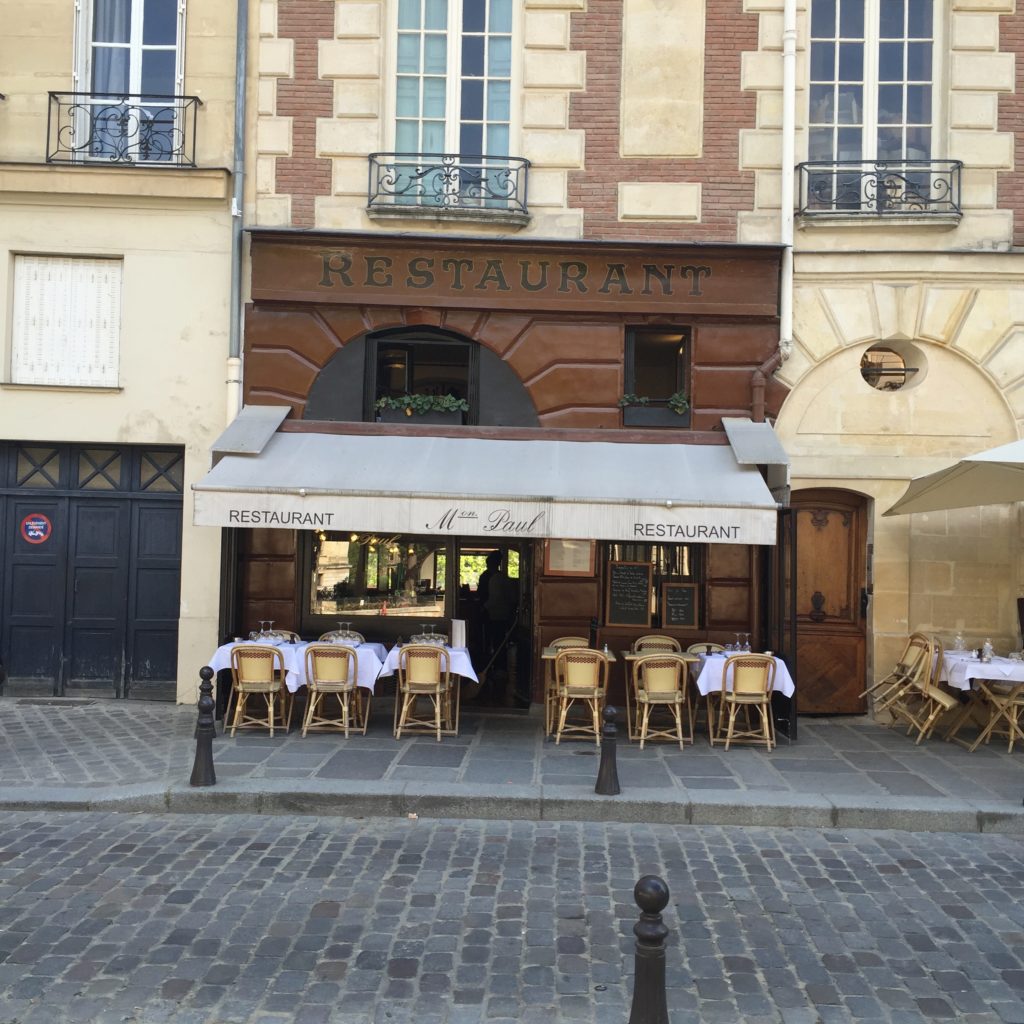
<point x="86" y="127"/>
<point x="880" y="188"/>
<point x="448" y="182"/>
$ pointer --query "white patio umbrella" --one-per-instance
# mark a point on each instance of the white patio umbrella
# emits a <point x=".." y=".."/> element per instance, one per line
<point x="992" y="477"/>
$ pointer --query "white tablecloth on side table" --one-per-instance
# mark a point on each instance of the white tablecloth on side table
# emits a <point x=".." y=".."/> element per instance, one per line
<point x="959" y="669"/>
<point x="458" y="660"/>
<point x="710" y="678"/>
<point x="370" y="657"/>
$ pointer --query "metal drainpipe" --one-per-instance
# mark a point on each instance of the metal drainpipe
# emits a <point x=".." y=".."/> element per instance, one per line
<point x="234" y="363"/>
<point x="787" y="177"/>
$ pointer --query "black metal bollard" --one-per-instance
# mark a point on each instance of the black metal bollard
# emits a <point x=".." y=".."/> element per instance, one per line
<point x="608" y="772"/>
<point x="202" y="770"/>
<point x="649" y="1002"/>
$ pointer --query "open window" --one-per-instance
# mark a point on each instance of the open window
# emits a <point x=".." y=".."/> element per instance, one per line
<point x="657" y="390"/>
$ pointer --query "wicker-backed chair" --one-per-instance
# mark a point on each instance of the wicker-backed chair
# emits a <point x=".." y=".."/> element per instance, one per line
<point x="289" y="636"/>
<point x="424" y="677"/>
<point x="896" y="691"/>
<point x="331" y="674"/>
<point x="922" y="703"/>
<point x="581" y="676"/>
<point x="705" y="648"/>
<point x="341" y="636"/>
<point x="752" y="677"/>
<point x="550" y="689"/>
<point x="656" y="642"/>
<point x="660" y="681"/>
<point x="257" y="670"/>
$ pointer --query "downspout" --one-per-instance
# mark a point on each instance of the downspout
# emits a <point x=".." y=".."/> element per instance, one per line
<point x="787" y="177"/>
<point x="234" y="363"/>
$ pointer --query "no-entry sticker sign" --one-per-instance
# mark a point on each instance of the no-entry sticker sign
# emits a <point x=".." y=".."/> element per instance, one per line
<point x="36" y="528"/>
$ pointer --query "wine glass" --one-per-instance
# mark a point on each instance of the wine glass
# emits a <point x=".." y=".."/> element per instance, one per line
<point x="270" y="629"/>
<point x="746" y="643"/>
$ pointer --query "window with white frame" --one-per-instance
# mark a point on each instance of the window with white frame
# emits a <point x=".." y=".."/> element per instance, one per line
<point x="871" y="80"/>
<point x="67" y="321"/>
<point x="454" y="77"/>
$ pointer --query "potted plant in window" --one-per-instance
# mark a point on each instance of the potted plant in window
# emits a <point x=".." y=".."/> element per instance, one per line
<point x="643" y="411"/>
<point x="422" y="409"/>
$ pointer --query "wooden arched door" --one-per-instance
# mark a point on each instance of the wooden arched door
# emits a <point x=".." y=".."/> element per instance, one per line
<point x="831" y="600"/>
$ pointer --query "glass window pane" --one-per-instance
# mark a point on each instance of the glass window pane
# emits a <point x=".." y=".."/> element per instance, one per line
<point x="499" y="58"/>
<point x="408" y="53"/>
<point x="160" y="23"/>
<point x="407" y="97"/>
<point x="471" y="139"/>
<point x="437" y="14"/>
<point x="919" y="143"/>
<point x="500" y="16"/>
<point x="109" y="70"/>
<point x="890" y="62"/>
<point x="919" y="104"/>
<point x="433" y="137"/>
<point x="851" y="19"/>
<point x="112" y="21"/>
<point x="408" y="13"/>
<point x="498" y="101"/>
<point x="472" y="107"/>
<point x="851" y="104"/>
<point x="890" y="143"/>
<point x="822" y="110"/>
<point x="497" y="140"/>
<point x="890" y="104"/>
<point x="850" y="144"/>
<point x="851" y="62"/>
<point x="473" y="55"/>
<point x="158" y="72"/>
<point x="473" y="14"/>
<point x="820" y="144"/>
<point x="823" y="19"/>
<point x="919" y="19"/>
<point x="891" y="19"/>
<point x="407" y="137"/>
<point x="435" y="55"/>
<point x="434" y="97"/>
<point x="919" y="62"/>
<point x="823" y="62"/>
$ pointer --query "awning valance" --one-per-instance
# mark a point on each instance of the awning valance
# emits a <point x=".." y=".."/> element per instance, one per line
<point x="494" y="488"/>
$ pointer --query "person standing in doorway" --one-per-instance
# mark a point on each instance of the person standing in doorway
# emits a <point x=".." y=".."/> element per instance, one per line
<point x="499" y="597"/>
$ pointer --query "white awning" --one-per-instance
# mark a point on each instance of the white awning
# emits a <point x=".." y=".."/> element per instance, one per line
<point x="474" y="486"/>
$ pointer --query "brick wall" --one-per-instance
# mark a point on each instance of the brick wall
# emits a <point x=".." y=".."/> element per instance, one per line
<point x="1011" y="119"/>
<point x="725" y="189"/>
<point x="304" y="98"/>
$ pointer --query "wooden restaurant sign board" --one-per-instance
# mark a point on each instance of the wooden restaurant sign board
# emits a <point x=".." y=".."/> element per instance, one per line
<point x="486" y="274"/>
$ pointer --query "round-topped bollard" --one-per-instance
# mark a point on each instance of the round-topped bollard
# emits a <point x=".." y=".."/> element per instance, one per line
<point x="650" y="1005"/>
<point x="202" y="769"/>
<point x="608" y="769"/>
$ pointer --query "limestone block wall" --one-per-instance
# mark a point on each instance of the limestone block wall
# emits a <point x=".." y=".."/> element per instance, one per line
<point x="977" y="68"/>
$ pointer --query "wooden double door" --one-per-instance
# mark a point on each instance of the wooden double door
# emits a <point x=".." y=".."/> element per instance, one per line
<point x="832" y="600"/>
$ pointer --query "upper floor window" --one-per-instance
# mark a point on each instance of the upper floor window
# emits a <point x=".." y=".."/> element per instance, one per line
<point x="453" y="92"/>
<point x="656" y="390"/>
<point x="871" y="80"/>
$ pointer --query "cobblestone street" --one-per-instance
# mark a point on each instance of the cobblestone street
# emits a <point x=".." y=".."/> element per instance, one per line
<point x="215" y="920"/>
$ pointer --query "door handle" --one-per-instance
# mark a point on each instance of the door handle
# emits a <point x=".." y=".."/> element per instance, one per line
<point x="865" y="596"/>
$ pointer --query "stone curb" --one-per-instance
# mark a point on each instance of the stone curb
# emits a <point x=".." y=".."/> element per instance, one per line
<point x="375" y="799"/>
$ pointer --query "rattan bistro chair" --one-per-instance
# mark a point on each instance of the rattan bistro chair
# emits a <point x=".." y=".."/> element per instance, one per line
<point x="705" y="648"/>
<point x="342" y="636"/>
<point x="660" y="681"/>
<point x="550" y="689"/>
<point x="581" y="675"/>
<point x="752" y="677"/>
<point x="257" y="670"/>
<point x="331" y="674"/>
<point x="656" y="642"/>
<point x="424" y="678"/>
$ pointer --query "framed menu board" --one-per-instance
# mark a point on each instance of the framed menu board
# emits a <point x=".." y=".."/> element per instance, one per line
<point x="679" y="604"/>
<point x="569" y="557"/>
<point x="628" y="594"/>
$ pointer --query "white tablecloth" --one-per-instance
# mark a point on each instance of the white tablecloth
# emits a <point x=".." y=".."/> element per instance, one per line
<point x="459" y="661"/>
<point x="370" y="657"/>
<point x="710" y="678"/>
<point x="959" y="669"/>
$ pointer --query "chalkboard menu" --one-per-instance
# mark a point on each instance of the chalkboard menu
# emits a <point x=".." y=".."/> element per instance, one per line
<point x="629" y="594"/>
<point x="679" y="604"/>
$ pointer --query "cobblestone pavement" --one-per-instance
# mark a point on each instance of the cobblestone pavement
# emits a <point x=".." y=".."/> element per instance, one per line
<point x="109" y="743"/>
<point x="141" y="919"/>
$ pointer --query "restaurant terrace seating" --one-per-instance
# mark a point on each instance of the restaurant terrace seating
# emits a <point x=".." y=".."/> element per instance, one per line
<point x="289" y="636"/>
<point x="346" y="636"/>
<point x="257" y="671"/>
<point x="550" y="690"/>
<point x="656" y="642"/>
<point x="331" y="673"/>
<point x="660" y="681"/>
<point x="747" y="682"/>
<point x="581" y="677"/>
<point x="427" y="701"/>
<point x="893" y="692"/>
<point x="923" y="703"/>
<point x="705" y="648"/>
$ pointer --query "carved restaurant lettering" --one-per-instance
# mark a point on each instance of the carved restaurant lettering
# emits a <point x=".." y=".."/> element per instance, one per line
<point x="498" y="274"/>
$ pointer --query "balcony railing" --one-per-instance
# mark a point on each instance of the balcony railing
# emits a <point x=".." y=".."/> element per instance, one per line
<point x="880" y="188"/>
<point x="448" y="182"/>
<point x="87" y="127"/>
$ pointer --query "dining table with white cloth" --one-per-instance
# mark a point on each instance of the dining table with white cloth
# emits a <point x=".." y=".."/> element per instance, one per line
<point x="458" y="660"/>
<point x="369" y="661"/>
<point x="960" y="667"/>
<point x="709" y="679"/>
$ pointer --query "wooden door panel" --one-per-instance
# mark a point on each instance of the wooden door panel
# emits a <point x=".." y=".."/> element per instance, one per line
<point x="831" y="671"/>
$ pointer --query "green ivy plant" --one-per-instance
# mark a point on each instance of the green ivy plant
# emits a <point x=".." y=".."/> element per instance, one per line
<point x="420" y="404"/>
<point x="678" y="402"/>
<point x="630" y="399"/>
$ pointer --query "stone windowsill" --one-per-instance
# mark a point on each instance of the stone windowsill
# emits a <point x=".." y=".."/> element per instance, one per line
<point x="105" y="180"/>
<point x="420" y="213"/>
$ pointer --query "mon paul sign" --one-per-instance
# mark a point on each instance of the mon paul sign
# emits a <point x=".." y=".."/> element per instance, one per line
<point x="484" y="273"/>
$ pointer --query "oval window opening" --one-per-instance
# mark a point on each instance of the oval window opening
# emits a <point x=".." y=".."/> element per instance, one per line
<point x="886" y="369"/>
